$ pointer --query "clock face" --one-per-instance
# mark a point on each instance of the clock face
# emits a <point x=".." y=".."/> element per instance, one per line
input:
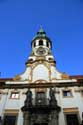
<point x="41" y="51"/>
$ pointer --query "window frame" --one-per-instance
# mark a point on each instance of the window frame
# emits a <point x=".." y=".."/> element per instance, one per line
<point x="66" y="96"/>
<point x="40" y="98"/>
<point x="71" y="113"/>
<point x="40" y="94"/>
<point x="40" y="41"/>
<point x="15" y="92"/>
<point x="11" y="114"/>
<point x="74" y="110"/>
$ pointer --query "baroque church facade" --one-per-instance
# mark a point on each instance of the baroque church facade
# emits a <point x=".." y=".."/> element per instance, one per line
<point x="41" y="95"/>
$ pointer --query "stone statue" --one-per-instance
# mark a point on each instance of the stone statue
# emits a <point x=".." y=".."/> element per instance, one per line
<point x="52" y="93"/>
<point x="53" y="100"/>
<point x="28" y="101"/>
<point x="55" y="108"/>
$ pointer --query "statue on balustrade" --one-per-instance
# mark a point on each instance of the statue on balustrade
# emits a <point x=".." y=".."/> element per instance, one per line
<point x="28" y="101"/>
<point x="53" y="101"/>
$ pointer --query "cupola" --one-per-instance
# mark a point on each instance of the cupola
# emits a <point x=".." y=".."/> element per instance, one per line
<point x="41" y="43"/>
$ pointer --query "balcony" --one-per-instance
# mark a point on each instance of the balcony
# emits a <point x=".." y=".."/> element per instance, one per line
<point x="40" y="105"/>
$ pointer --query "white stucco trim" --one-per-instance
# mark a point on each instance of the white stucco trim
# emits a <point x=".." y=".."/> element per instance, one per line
<point x="67" y="80"/>
<point x="16" y="82"/>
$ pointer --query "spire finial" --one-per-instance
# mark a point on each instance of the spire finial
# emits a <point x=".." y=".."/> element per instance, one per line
<point x="41" y="31"/>
<point x="41" y="28"/>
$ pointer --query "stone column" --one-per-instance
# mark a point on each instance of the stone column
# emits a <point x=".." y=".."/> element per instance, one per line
<point x="26" y="107"/>
<point x="54" y="118"/>
<point x="26" y="118"/>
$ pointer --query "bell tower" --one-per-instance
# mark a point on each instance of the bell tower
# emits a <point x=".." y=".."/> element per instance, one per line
<point x="41" y="44"/>
<point x="40" y="106"/>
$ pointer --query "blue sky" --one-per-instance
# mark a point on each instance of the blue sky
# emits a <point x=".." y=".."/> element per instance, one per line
<point x="21" y="19"/>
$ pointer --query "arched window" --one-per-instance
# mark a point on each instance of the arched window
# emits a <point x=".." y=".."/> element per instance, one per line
<point x="47" y="44"/>
<point x="40" y="42"/>
<point x="34" y="44"/>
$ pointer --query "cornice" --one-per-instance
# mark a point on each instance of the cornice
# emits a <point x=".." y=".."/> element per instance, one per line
<point x="42" y="60"/>
<point x="40" y="85"/>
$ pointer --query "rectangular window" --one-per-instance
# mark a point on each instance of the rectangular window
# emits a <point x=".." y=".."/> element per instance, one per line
<point x="40" y="98"/>
<point x="40" y="95"/>
<point x="10" y="120"/>
<point x="67" y="93"/>
<point x="14" y="95"/>
<point x="72" y="119"/>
